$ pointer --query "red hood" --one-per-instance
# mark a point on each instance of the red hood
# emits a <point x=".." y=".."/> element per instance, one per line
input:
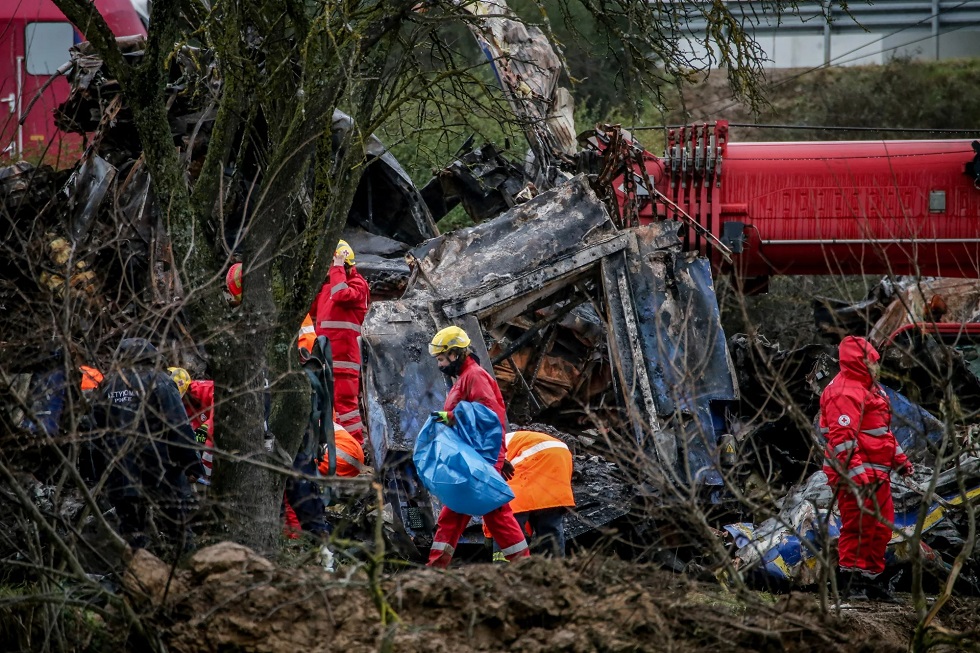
<point x="855" y="354"/>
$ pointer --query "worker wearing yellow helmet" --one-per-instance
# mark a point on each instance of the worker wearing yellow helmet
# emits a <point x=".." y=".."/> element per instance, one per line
<point x="338" y="313"/>
<point x="198" y="398"/>
<point x="451" y="349"/>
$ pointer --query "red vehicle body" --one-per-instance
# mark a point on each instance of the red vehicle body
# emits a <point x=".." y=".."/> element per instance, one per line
<point x="951" y="333"/>
<point x="34" y="41"/>
<point x="813" y="208"/>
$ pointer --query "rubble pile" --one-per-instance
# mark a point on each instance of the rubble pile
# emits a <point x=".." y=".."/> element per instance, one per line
<point x="230" y="598"/>
<point x="590" y="323"/>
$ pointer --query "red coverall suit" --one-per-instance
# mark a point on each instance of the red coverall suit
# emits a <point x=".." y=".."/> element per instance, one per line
<point x="338" y="312"/>
<point x="199" y="404"/>
<point x="855" y="416"/>
<point x="475" y="384"/>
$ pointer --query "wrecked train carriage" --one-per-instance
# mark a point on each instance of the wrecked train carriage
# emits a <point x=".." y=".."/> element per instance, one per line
<point x="93" y="240"/>
<point x="387" y="217"/>
<point x="671" y="372"/>
<point x="105" y="211"/>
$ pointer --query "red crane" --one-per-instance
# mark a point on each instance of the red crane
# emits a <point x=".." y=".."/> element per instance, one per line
<point x="850" y="207"/>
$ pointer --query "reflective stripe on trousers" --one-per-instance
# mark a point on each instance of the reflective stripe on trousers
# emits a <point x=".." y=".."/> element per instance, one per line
<point x="517" y="548"/>
<point x="443" y="546"/>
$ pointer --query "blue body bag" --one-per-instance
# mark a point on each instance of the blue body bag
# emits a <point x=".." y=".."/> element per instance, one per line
<point x="456" y="463"/>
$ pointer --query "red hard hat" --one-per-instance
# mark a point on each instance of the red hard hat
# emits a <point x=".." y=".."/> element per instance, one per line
<point x="234" y="280"/>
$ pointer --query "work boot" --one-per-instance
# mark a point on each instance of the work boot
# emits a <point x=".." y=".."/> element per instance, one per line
<point x="851" y="585"/>
<point x="879" y="589"/>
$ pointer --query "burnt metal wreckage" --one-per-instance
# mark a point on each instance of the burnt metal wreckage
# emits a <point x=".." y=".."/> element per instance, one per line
<point x="933" y="362"/>
<point x="592" y="323"/>
<point x="563" y="297"/>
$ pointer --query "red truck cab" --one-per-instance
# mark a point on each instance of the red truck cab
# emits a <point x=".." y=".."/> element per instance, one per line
<point x="34" y="41"/>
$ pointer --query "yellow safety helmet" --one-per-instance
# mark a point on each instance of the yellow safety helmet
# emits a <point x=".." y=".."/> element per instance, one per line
<point x="449" y="338"/>
<point x="181" y="378"/>
<point x="346" y="250"/>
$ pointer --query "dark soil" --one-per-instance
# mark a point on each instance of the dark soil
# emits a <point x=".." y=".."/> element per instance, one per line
<point x="231" y="599"/>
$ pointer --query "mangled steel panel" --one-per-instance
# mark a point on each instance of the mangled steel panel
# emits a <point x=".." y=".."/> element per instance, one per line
<point x="529" y="71"/>
<point x="553" y="225"/>
<point x="961" y="297"/>
<point x="387" y="202"/>
<point x="669" y="348"/>
<point x="402" y="384"/>
<point x="482" y="179"/>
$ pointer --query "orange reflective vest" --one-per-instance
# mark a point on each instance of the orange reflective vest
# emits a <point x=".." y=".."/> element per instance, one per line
<point x="307" y="334"/>
<point x="350" y="454"/>
<point x="91" y="377"/>
<point x="542" y="471"/>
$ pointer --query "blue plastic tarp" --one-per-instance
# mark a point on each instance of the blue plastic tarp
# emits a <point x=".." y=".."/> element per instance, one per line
<point x="456" y="463"/>
<point x="914" y="428"/>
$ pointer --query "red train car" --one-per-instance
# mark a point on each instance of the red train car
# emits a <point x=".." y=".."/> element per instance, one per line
<point x="34" y="41"/>
<point x="874" y="207"/>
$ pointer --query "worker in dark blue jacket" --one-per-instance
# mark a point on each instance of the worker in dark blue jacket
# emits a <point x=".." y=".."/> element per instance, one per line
<point x="150" y="443"/>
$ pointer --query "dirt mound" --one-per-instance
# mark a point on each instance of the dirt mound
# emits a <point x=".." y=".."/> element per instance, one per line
<point x="232" y="599"/>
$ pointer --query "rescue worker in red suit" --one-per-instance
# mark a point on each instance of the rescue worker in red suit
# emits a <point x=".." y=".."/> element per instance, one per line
<point x="472" y="383"/>
<point x="198" y="398"/>
<point x="338" y="312"/>
<point x="861" y="453"/>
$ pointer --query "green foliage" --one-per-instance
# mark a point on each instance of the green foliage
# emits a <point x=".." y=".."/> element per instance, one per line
<point x="426" y="132"/>
<point x="902" y="93"/>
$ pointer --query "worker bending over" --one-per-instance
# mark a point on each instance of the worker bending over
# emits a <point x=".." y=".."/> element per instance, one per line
<point x="542" y="486"/>
<point x="472" y="383"/>
<point x="150" y="444"/>
<point x="350" y="454"/>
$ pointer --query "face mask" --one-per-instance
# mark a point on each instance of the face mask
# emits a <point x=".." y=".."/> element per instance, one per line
<point x="452" y="368"/>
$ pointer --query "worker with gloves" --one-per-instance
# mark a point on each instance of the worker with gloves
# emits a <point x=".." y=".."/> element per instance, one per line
<point x="861" y="453"/>
<point x="338" y="313"/>
<point x="198" y="398"/>
<point x="542" y="486"/>
<point x="151" y="443"/>
<point x="470" y="382"/>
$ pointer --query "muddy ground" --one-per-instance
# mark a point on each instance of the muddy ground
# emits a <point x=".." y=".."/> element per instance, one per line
<point x="228" y="598"/>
